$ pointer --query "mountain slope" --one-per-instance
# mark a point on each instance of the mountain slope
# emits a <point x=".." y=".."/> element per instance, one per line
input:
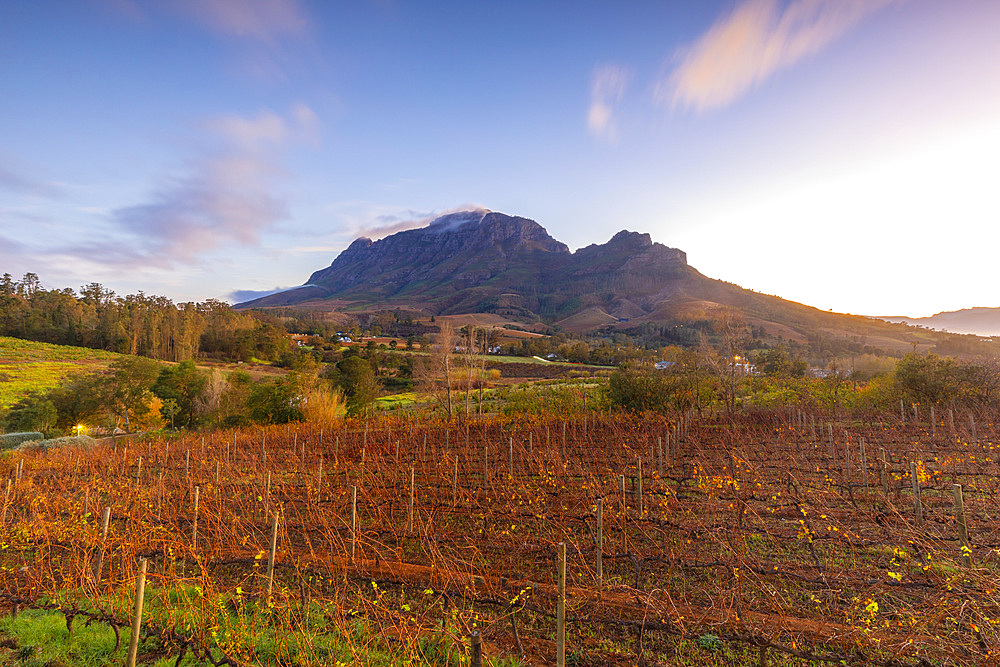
<point x="487" y="262"/>
<point x="482" y="261"/>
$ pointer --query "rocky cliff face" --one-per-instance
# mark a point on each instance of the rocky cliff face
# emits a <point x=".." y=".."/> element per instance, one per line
<point x="466" y="249"/>
<point x="484" y="261"/>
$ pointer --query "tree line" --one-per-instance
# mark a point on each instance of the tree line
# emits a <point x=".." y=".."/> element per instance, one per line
<point x="137" y="324"/>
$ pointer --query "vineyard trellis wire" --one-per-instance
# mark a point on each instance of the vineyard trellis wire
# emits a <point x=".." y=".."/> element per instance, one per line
<point x="775" y="532"/>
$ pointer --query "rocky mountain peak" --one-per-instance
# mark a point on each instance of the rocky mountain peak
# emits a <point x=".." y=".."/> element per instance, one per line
<point x="484" y="261"/>
<point x="627" y="239"/>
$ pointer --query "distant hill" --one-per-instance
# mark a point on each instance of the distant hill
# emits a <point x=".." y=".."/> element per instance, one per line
<point x="977" y="321"/>
<point x="487" y="262"/>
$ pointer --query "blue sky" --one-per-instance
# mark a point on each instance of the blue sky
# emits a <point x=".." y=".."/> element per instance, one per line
<point x="840" y="153"/>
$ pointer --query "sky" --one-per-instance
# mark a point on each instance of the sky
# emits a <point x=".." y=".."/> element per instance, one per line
<point x="840" y="153"/>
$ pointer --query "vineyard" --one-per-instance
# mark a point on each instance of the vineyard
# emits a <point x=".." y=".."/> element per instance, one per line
<point x="775" y="540"/>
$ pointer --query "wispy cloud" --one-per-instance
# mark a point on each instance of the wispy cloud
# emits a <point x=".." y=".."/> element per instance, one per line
<point x="8" y="248"/>
<point x="20" y="182"/>
<point x="226" y="194"/>
<point x="267" y="35"/>
<point x="386" y="224"/>
<point x="607" y="87"/>
<point x="758" y="39"/>
<point x="265" y="21"/>
<point x="242" y="295"/>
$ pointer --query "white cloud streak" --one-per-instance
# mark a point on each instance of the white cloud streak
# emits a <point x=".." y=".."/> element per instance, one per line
<point x="607" y="87"/>
<point x="748" y="46"/>
<point x="387" y="224"/>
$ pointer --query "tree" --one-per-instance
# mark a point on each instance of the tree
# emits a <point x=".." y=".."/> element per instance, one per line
<point x="729" y="364"/>
<point x="170" y="410"/>
<point x="275" y="402"/>
<point x="777" y="362"/>
<point x="322" y="402"/>
<point x="232" y="409"/>
<point x="34" y="412"/>
<point x="357" y="379"/>
<point x="183" y="384"/>
<point x="639" y="388"/>
<point x="469" y="359"/>
<point x="931" y="379"/>
<point x="209" y="400"/>
<point x="78" y="401"/>
<point x="438" y="373"/>
<point x="126" y="391"/>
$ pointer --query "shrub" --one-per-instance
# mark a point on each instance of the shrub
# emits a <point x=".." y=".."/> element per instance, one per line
<point x="11" y="440"/>
<point x="66" y="441"/>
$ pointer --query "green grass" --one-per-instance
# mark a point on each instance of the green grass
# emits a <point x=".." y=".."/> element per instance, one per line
<point x="507" y="359"/>
<point x="401" y="400"/>
<point x="17" y="380"/>
<point x="251" y="631"/>
<point x="15" y="350"/>
<point x="42" y="640"/>
<point x="27" y="366"/>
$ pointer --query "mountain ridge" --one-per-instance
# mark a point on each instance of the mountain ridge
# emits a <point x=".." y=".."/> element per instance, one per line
<point x="476" y="260"/>
<point x="977" y="321"/>
<point x="484" y="261"/>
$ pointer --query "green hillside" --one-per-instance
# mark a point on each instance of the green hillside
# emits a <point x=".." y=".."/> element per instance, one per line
<point x="29" y="366"/>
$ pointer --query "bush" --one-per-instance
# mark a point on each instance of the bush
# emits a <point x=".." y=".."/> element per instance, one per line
<point x="66" y="441"/>
<point x="638" y="389"/>
<point x="11" y="440"/>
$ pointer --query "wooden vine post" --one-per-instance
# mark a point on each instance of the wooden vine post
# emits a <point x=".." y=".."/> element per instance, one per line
<point x="99" y="566"/>
<point x="621" y="491"/>
<point x="561" y="610"/>
<point x="475" y="649"/>
<point x="194" y="525"/>
<point x="510" y="458"/>
<point x="962" y="526"/>
<point x="882" y="472"/>
<point x="354" y="521"/>
<point x="659" y="452"/>
<point x="918" y="511"/>
<point x="410" y="513"/>
<point x="600" y="541"/>
<point x="140" y="591"/>
<point x="638" y="486"/>
<point x="270" y="557"/>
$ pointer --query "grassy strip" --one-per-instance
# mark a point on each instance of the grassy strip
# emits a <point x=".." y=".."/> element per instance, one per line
<point x="250" y="631"/>
<point x="40" y="638"/>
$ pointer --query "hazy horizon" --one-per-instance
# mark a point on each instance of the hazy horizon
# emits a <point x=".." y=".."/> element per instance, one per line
<point x="837" y="153"/>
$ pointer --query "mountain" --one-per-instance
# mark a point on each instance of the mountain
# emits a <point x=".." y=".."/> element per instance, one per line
<point x="977" y="321"/>
<point x="482" y="261"/>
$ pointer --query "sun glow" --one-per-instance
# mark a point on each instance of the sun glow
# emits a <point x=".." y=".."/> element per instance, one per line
<point x="887" y="219"/>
